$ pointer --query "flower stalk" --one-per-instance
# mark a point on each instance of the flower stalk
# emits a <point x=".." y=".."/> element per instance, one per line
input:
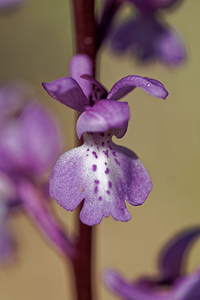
<point x="85" y="35"/>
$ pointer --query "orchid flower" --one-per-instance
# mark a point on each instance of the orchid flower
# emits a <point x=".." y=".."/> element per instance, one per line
<point x="30" y="142"/>
<point x="146" y="34"/>
<point x="30" y="139"/>
<point x="171" y="284"/>
<point x="99" y="172"/>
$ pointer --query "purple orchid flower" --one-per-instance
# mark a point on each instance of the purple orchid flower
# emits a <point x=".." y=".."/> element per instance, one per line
<point x="30" y="139"/>
<point x="172" y="283"/>
<point x="99" y="172"/>
<point x="30" y="142"/>
<point x="147" y="36"/>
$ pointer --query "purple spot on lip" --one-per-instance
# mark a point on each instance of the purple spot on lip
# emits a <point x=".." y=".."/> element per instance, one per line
<point x="106" y="153"/>
<point x="117" y="162"/>
<point x="102" y="143"/>
<point x="94" y="167"/>
<point x="100" y="198"/>
<point x="94" y="153"/>
<point x="96" y="181"/>
<point x="108" y="192"/>
<point x="110" y="147"/>
<point x="87" y="154"/>
<point x="88" y="149"/>
<point x="114" y="153"/>
<point x="107" y="171"/>
<point x="106" y="163"/>
<point x="91" y="145"/>
<point x="109" y="184"/>
<point x="97" y="148"/>
<point x="96" y="189"/>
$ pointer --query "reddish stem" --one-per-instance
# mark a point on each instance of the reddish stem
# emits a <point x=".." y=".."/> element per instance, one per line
<point x="85" y="28"/>
<point x="82" y="262"/>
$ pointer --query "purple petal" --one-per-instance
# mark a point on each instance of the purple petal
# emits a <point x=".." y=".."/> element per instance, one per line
<point x="31" y="142"/>
<point x="172" y="258"/>
<point x="125" y="35"/>
<point x="12" y="96"/>
<point x="138" y="34"/>
<point x="7" y="188"/>
<point x="149" y="38"/>
<point x="42" y="139"/>
<point x="128" y="83"/>
<point x="104" y="175"/>
<point x="103" y="116"/>
<point x="81" y="64"/>
<point x="137" y="185"/>
<point x="67" y="91"/>
<point x="151" y="5"/>
<point x="127" y="290"/>
<point x="170" y="48"/>
<point x="188" y="288"/>
<point x="66" y="176"/>
<point x="11" y="149"/>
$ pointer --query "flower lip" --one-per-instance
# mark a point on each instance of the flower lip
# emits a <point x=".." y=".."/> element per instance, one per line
<point x="104" y="175"/>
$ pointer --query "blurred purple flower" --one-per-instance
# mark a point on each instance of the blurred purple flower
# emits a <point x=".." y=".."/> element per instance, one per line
<point x="152" y="5"/>
<point x="7" y="5"/>
<point x="30" y="142"/>
<point x="147" y="35"/>
<point x="99" y="172"/>
<point x="172" y="283"/>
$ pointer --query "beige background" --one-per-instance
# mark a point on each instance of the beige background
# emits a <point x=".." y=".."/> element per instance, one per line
<point x="36" y="45"/>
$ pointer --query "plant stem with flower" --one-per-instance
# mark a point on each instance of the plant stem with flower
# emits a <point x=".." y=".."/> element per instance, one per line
<point x="85" y="34"/>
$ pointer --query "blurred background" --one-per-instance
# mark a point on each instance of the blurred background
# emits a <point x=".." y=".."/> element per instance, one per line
<point x="36" y="45"/>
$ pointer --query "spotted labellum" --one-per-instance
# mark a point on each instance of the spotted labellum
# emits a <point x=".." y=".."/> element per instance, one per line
<point x="99" y="172"/>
